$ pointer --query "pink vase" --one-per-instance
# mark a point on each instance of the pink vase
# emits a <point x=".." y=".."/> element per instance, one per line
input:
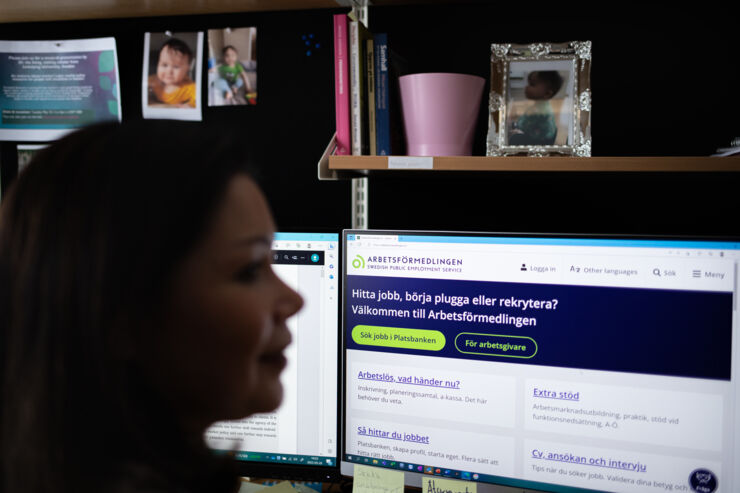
<point x="440" y="111"/>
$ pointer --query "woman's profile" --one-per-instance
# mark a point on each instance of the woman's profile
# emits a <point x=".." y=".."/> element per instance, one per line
<point x="137" y="306"/>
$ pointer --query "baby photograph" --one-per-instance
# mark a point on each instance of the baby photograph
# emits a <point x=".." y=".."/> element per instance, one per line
<point x="171" y="82"/>
<point x="539" y="103"/>
<point x="232" y="66"/>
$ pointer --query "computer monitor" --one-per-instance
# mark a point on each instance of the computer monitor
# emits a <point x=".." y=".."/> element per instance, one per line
<point x="543" y="362"/>
<point x="298" y="440"/>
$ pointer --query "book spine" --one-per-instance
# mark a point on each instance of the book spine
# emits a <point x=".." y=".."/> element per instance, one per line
<point x="341" y="85"/>
<point x="382" y="94"/>
<point x="355" y="67"/>
<point x="370" y="84"/>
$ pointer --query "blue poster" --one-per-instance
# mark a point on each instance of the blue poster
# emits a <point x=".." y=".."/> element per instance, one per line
<point x="48" y="88"/>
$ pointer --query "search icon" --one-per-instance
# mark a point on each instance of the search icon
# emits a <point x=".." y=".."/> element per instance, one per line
<point x="656" y="272"/>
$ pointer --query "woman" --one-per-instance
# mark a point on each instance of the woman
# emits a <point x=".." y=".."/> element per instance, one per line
<point x="137" y="306"/>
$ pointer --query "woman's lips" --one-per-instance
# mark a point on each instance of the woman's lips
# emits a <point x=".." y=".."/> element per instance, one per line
<point x="275" y="360"/>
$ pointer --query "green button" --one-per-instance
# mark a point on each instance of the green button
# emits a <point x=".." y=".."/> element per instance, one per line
<point x="499" y="345"/>
<point x="373" y="335"/>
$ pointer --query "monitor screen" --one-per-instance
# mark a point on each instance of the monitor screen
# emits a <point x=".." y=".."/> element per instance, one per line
<point x="548" y="363"/>
<point x="299" y="439"/>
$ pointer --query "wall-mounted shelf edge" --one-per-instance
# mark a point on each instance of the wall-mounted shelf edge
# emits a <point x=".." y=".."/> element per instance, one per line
<point x="58" y="10"/>
<point x="548" y="164"/>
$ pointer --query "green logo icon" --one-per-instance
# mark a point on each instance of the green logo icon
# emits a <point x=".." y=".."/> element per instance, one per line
<point x="358" y="262"/>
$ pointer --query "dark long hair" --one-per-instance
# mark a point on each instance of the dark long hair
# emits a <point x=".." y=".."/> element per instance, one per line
<point x="91" y="234"/>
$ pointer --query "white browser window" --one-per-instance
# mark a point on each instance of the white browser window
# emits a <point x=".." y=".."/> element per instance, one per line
<point x="543" y="363"/>
<point x="303" y="430"/>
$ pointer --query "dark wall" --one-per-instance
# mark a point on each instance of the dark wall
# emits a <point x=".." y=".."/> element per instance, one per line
<point x="291" y="123"/>
<point x="663" y="82"/>
<point x="661" y="86"/>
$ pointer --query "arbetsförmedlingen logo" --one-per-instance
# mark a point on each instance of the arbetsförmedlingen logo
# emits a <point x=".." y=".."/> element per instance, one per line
<point x="358" y="262"/>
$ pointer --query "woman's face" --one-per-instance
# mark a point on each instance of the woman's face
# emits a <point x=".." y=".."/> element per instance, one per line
<point x="225" y="324"/>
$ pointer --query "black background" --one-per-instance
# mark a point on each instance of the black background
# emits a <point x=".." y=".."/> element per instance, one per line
<point x="663" y="84"/>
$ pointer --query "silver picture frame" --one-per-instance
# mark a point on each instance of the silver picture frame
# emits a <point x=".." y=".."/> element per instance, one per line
<point x="540" y="100"/>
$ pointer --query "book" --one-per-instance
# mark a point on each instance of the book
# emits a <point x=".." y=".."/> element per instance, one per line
<point x="341" y="85"/>
<point x="389" y="66"/>
<point x="358" y="36"/>
<point x="370" y="84"/>
<point x="383" y="137"/>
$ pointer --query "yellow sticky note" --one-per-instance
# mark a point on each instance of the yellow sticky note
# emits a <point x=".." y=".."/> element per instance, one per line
<point x="282" y="487"/>
<point x="376" y="480"/>
<point x="440" y="485"/>
<point x="247" y="487"/>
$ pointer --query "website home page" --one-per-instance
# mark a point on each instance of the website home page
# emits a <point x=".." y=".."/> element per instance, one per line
<point x="308" y="263"/>
<point x="543" y="363"/>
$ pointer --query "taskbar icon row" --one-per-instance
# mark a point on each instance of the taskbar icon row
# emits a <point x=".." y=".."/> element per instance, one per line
<point x="420" y="468"/>
<point x="296" y="460"/>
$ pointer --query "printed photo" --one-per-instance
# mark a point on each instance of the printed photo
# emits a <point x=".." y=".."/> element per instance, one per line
<point x="539" y="101"/>
<point x="171" y="80"/>
<point x="232" y="66"/>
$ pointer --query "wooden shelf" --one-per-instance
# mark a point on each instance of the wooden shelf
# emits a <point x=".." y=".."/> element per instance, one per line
<point x="589" y="164"/>
<point x="57" y="10"/>
<point x="60" y="10"/>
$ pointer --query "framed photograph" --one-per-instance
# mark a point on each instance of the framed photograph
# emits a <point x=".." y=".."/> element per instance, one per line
<point x="540" y="100"/>
<point x="171" y="75"/>
<point x="232" y="66"/>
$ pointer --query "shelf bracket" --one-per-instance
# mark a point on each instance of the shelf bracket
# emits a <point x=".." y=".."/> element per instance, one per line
<point x="359" y="203"/>
<point x="359" y="186"/>
<point x="325" y="173"/>
<point x="323" y="167"/>
<point x="359" y="9"/>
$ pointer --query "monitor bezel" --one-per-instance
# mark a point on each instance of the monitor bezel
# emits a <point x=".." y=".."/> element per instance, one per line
<point x="414" y="479"/>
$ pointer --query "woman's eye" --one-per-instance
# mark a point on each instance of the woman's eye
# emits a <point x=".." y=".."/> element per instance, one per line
<point x="250" y="272"/>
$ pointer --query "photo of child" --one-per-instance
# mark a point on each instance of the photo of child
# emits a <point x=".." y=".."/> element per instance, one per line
<point x="171" y="81"/>
<point x="232" y="66"/>
<point x="172" y="84"/>
<point x="539" y="96"/>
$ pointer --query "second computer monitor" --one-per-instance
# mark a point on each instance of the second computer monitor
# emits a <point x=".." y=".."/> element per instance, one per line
<point x="546" y="362"/>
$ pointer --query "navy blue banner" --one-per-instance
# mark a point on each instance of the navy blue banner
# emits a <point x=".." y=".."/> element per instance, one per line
<point x="661" y="332"/>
